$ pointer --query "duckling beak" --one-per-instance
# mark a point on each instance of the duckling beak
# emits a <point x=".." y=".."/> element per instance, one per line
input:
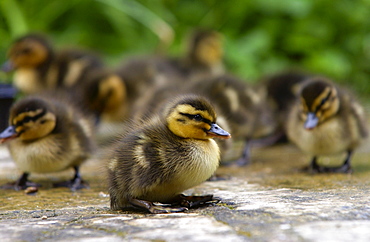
<point x="311" y="121"/>
<point x="7" y="66"/>
<point x="216" y="131"/>
<point x="8" y="134"/>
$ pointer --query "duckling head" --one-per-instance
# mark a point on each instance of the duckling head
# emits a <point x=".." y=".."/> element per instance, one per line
<point x="105" y="92"/>
<point x="27" y="52"/>
<point x="319" y="102"/>
<point x="30" y="119"/>
<point x="193" y="117"/>
<point x="205" y="47"/>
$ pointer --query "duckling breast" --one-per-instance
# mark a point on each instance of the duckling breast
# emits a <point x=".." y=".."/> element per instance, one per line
<point x="27" y="80"/>
<point x="197" y="161"/>
<point x="45" y="155"/>
<point x="204" y="156"/>
<point x="330" y="137"/>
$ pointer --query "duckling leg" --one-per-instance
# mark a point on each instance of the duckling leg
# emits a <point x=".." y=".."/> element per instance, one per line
<point x="76" y="183"/>
<point x="194" y="201"/>
<point x="147" y="205"/>
<point x="345" y="168"/>
<point x="21" y="184"/>
<point x="314" y="167"/>
<point x="245" y="157"/>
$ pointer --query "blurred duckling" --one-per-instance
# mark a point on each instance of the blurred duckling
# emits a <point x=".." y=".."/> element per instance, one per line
<point x="39" y="67"/>
<point x="48" y="134"/>
<point x="105" y="96"/>
<point x="203" y="57"/>
<point x="326" y="120"/>
<point x="164" y="156"/>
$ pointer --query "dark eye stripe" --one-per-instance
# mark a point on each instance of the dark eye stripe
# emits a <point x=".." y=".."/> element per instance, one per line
<point x="191" y="116"/>
<point x="323" y="101"/>
<point x="28" y="118"/>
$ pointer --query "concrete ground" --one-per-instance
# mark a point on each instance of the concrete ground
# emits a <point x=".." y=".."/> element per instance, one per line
<point x="269" y="200"/>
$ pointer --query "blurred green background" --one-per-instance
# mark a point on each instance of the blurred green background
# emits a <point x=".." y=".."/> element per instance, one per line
<point x="260" y="37"/>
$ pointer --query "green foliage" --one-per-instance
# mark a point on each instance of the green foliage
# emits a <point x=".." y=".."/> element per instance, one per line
<point x="261" y="37"/>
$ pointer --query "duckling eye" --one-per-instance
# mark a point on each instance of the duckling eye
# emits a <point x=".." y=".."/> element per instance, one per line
<point x="197" y="117"/>
<point x="26" y="119"/>
<point x="323" y="101"/>
<point x="25" y="51"/>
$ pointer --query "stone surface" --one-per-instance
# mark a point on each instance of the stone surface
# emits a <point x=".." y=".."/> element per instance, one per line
<point x="269" y="200"/>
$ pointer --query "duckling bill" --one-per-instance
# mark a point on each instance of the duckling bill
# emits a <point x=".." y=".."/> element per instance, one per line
<point x="326" y="120"/>
<point x="47" y="135"/>
<point x="164" y="156"/>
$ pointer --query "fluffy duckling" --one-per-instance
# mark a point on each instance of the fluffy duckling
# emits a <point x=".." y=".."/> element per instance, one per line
<point x="204" y="53"/>
<point x="38" y="67"/>
<point x="203" y="58"/>
<point x="105" y="95"/>
<point x="164" y="156"/>
<point x="47" y="134"/>
<point x="326" y="120"/>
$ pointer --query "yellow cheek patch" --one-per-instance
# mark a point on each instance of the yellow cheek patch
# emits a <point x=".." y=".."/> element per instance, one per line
<point x="205" y="126"/>
<point x="115" y="85"/>
<point x="38" y="129"/>
<point x="19" y="129"/>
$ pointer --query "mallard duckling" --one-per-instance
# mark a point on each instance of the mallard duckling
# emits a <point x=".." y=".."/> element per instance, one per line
<point x="326" y="120"/>
<point x="38" y="67"/>
<point x="203" y="58"/>
<point x="105" y="95"/>
<point x="164" y="156"/>
<point x="48" y="134"/>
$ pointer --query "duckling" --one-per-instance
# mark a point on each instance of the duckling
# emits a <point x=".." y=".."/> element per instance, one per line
<point x="105" y="96"/>
<point x="39" y="67"/>
<point x="205" y="53"/>
<point x="164" y="156"/>
<point x="48" y="134"/>
<point x="203" y="58"/>
<point x="326" y="120"/>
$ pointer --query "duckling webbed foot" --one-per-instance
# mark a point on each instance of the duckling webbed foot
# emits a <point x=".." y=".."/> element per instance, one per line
<point x="21" y="184"/>
<point x="217" y="177"/>
<point x="75" y="184"/>
<point x="149" y="206"/>
<point x="194" y="201"/>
